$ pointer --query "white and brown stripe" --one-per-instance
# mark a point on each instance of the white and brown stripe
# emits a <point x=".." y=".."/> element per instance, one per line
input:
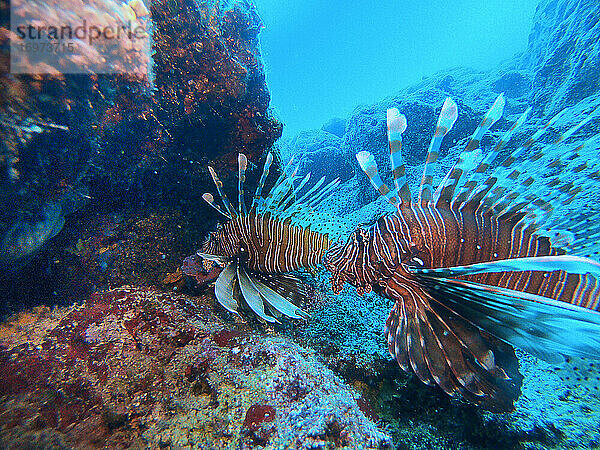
<point x="269" y="244"/>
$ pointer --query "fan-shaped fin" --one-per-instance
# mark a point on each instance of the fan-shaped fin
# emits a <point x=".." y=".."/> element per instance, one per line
<point x="541" y="326"/>
<point x="225" y="288"/>
<point x="252" y="296"/>
<point x="441" y="347"/>
<point x="277" y="301"/>
<point x="567" y="263"/>
<point x="446" y="190"/>
<point x="286" y="285"/>
<point x="476" y="178"/>
<point x="511" y="181"/>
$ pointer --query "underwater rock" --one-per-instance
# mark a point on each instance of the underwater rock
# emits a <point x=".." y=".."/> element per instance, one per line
<point x="120" y="139"/>
<point x="318" y="152"/>
<point x="136" y="367"/>
<point x="335" y="125"/>
<point x="563" y="53"/>
<point x="210" y="79"/>
<point x="26" y="237"/>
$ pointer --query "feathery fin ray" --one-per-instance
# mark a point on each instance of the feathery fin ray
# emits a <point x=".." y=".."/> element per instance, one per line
<point x="446" y="120"/>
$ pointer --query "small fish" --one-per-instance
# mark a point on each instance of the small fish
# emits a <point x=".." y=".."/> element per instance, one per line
<point x="259" y="247"/>
<point x="482" y="264"/>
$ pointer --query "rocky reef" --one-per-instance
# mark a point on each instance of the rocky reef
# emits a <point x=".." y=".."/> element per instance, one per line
<point x="81" y="150"/>
<point x="101" y="178"/>
<point x="136" y="367"/>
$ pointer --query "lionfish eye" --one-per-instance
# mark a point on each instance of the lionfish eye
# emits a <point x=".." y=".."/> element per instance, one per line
<point x="415" y="261"/>
<point x="358" y="236"/>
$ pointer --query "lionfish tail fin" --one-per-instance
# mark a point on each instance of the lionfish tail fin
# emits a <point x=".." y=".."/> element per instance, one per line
<point x="469" y="156"/>
<point x="545" y="327"/>
<point x="443" y="348"/>
<point x="396" y="125"/>
<point x="446" y="120"/>
<point x="369" y="166"/>
<point x="269" y="297"/>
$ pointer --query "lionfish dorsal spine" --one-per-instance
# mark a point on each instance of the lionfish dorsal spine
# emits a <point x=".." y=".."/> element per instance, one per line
<point x="242" y="166"/>
<point x="446" y="120"/>
<point x="323" y="193"/>
<point x="261" y="183"/>
<point x="208" y="198"/>
<point x="279" y="194"/>
<point x="291" y="201"/>
<point x="490" y="158"/>
<point x="396" y="125"/>
<point x="369" y="167"/>
<point x="476" y="187"/>
<point x="224" y="199"/>
<point x="511" y="179"/>
<point x="282" y="187"/>
<point x="446" y="190"/>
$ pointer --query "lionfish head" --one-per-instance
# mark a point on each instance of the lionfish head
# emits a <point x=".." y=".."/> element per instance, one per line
<point x="341" y="261"/>
<point x="222" y="246"/>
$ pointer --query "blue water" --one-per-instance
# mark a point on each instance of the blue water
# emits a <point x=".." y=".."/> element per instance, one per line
<point x="325" y="58"/>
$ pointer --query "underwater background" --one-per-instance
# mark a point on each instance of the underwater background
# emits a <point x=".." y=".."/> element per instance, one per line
<point x="107" y="343"/>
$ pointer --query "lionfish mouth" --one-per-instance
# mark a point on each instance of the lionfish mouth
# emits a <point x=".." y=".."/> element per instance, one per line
<point x="221" y="260"/>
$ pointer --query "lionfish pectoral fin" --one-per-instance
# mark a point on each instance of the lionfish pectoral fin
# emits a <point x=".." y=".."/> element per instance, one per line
<point x="225" y="288"/>
<point x="441" y="347"/>
<point x="543" y="327"/>
<point x="289" y="287"/>
<point x="252" y="296"/>
<point x="279" y="303"/>
<point x="567" y="263"/>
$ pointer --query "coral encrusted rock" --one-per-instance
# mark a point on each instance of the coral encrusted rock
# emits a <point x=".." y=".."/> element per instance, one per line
<point x="136" y="367"/>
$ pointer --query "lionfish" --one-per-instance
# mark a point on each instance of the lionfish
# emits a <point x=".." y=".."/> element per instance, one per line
<point x="479" y="265"/>
<point x="259" y="247"/>
<point x="474" y="268"/>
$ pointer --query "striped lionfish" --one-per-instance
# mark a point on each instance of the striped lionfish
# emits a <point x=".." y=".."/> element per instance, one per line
<point x="474" y="268"/>
<point x="259" y="247"/>
<point x="480" y="264"/>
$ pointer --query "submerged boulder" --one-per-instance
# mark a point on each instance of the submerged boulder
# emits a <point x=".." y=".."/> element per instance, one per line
<point x="564" y="53"/>
<point x="126" y="139"/>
